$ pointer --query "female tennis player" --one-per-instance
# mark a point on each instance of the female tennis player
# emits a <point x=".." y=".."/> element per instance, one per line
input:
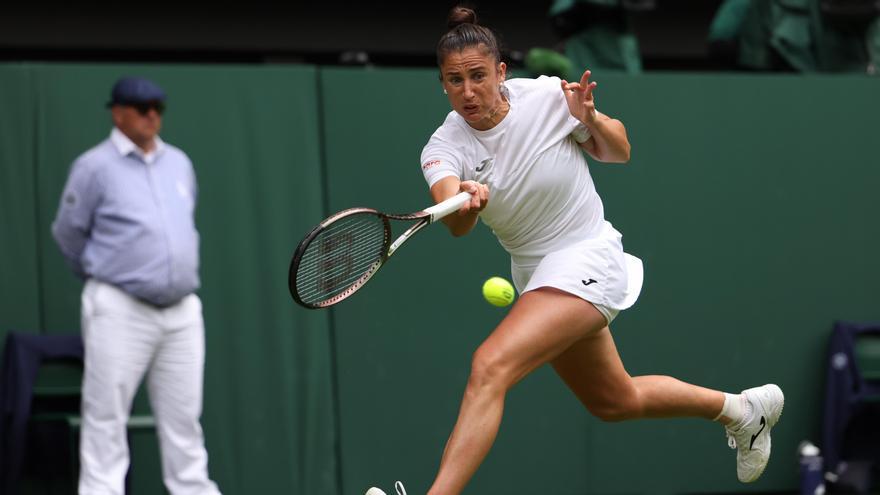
<point x="517" y="147"/>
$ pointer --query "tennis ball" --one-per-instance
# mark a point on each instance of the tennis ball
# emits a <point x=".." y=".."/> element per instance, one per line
<point x="498" y="291"/>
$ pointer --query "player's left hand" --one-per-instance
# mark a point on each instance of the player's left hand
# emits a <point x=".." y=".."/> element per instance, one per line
<point x="579" y="96"/>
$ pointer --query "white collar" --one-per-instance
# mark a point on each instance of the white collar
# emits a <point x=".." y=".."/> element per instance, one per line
<point x="126" y="146"/>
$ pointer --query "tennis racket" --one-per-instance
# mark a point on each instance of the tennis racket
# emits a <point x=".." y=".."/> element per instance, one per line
<point x="344" y="251"/>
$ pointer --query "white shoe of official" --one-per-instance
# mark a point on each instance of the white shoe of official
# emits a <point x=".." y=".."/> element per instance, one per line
<point x="752" y="439"/>
<point x="398" y="487"/>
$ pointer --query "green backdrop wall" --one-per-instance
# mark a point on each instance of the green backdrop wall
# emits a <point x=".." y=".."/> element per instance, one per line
<point x="750" y="199"/>
<point x="253" y="137"/>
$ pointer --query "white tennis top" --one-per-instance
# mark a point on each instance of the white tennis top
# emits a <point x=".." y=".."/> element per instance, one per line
<point x="541" y="195"/>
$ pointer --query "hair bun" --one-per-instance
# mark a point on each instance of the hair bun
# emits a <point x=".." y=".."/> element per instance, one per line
<point x="461" y="15"/>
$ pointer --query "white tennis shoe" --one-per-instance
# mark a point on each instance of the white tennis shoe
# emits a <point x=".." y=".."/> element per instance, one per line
<point x="752" y="438"/>
<point x="398" y="487"/>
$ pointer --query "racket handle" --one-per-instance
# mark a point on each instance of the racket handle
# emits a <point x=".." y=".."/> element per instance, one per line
<point x="446" y="207"/>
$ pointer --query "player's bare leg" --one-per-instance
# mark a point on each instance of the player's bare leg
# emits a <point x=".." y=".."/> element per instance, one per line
<point x="540" y="326"/>
<point x="592" y="369"/>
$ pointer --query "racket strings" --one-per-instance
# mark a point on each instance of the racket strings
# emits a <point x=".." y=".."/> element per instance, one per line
<point x="339" y="256"/>
<point x="343" y="235"/>
<point x="338" y="249"/>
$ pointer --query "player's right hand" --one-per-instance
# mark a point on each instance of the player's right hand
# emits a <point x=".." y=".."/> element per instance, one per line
<point x="479" y="196"/>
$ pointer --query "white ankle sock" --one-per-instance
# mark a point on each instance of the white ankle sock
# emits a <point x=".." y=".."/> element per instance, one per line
<point x="735" y="407"/>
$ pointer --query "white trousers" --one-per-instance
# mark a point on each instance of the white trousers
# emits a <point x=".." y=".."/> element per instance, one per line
<point x="124" y="339"/>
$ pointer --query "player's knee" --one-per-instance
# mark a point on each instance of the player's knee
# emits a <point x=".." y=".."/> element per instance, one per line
<point x="488" y="370"/>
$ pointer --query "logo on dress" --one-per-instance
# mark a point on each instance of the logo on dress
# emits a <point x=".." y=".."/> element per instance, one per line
<point x="430" y="163"/>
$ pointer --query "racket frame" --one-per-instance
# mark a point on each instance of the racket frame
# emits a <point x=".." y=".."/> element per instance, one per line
<point x="424" y="217"/>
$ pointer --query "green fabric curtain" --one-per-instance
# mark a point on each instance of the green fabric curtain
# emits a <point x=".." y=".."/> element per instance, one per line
<point x="253" y="137"/>
<point x="19" y="237"/>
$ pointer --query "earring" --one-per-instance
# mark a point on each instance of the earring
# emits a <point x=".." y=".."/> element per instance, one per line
<point x="444" y="91"/>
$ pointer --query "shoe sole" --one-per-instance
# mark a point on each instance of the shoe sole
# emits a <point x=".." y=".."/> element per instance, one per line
<point x="775" y="392"/>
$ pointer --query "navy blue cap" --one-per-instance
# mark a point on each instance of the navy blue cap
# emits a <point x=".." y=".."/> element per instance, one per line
<point x="129" y="90"/>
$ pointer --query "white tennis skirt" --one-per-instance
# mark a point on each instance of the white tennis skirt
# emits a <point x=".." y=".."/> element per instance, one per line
<point x="596" y="270"/>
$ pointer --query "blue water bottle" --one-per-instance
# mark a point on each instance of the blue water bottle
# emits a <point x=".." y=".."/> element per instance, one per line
<point x="812" y="480"/>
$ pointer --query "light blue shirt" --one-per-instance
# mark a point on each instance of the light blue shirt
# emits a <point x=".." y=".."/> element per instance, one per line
<point x="127" y="218"/>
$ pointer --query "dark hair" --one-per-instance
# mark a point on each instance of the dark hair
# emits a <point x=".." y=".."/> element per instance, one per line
<point x="464" y="32"/>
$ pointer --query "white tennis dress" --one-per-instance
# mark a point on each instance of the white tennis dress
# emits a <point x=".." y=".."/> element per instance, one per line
<point x="543" y="206"/>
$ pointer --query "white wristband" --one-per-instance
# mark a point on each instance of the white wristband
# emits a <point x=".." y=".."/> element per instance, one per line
<point x="580" y="133"/>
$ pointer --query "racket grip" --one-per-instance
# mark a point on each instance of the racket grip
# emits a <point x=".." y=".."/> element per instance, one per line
<point x="446" y="207"/>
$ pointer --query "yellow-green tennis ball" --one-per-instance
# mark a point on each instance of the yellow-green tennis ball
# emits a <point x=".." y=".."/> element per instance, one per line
<point x="498" y="291"/>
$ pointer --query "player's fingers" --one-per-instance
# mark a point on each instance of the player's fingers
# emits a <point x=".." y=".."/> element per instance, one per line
<point x="468" y="186"/>
<point x="479" y="195"/>
<point x="585" y="79"/>
<point x="472" y="188"/>
<point x="468" y="205"/>
<point x="588" y="93"/>
<point x="570" y="88"/>
<point x="476" y="199"/>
